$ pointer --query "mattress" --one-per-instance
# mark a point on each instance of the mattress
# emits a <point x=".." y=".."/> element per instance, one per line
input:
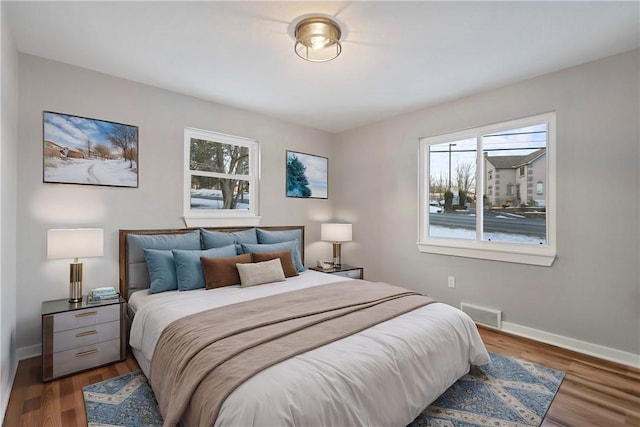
<point x="384" y="375"/>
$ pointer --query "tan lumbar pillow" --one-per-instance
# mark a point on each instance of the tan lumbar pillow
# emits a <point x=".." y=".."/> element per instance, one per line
<point x="259" y="273"/>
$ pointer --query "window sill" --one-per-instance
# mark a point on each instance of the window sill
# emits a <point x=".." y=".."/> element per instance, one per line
<point x="505" y="252"/>
<point x="221" y="221"/>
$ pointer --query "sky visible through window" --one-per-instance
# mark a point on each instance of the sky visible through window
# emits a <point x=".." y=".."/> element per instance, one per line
<point x="509" y="143"/>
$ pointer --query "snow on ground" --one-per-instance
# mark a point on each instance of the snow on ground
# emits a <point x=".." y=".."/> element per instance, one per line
<point x="206" y="192"/>
<point x="91" y="171"/>
<point x="509" y="216"/>
<point x="205" y="198"/>
<point x="465" y="233"/>
<point x="198" y="203"/>
<point x="512" y="215"/>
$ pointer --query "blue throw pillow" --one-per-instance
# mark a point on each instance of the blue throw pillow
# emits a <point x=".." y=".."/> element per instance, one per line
<point x="162" y="270"/>
<point x="138" y="242"/>
<point x="275" y="247"/>
<point x="277" y="236"/>
<point x="218" y="239"/>
<point x="189" y="269"/>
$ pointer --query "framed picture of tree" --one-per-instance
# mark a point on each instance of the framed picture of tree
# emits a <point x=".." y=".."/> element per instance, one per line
<point x="80" y="150"/>
<point x="307" y="175"/>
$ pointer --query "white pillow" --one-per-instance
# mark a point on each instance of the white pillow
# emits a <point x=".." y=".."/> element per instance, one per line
<point x="259" y="273"/>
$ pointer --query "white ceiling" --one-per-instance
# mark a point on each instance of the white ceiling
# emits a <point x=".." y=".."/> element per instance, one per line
<point x="397" y="56"/>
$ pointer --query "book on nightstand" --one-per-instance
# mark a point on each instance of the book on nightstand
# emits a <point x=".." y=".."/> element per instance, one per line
<point x="102" y="294"/>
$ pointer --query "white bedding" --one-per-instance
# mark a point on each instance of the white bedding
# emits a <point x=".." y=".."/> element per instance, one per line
<point x="385" y="375"/>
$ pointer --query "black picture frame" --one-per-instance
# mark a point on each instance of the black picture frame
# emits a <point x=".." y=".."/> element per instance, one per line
<point x="307" y="176"/>
<point x="85" y="151"/>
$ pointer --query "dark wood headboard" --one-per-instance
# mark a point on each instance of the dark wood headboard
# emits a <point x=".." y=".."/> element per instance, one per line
<point x="123" y="255"/>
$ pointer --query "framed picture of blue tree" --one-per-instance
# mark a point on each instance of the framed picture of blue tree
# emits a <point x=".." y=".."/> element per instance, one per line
<point x="307" y="176"/>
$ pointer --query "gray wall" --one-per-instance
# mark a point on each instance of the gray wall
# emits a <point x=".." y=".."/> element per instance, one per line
<point x="373" y="182"/>
<point x="157" y="203"/>
<point x="8" y="192"/>
<point x="592" y="292"/>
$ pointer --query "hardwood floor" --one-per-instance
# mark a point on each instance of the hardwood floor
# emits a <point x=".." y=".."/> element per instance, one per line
<point x="593" y="393"/>
<point x="57" y="403"/>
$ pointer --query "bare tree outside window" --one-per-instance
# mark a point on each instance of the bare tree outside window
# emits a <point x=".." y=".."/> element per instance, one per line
<point x="466" y="180"/>
<point x="220" y="175"/>
<point x="227" y="159"/>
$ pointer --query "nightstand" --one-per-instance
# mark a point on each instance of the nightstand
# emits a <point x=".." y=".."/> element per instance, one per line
<point x="80" y="336"/>
<point x="344" y="271"/>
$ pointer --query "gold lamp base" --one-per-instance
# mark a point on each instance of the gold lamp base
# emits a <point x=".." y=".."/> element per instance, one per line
<point x="337" y="262"/>
<point x="75" y="281"/>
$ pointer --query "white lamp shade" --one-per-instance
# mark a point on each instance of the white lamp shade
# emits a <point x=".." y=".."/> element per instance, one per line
<point x="335" y="232"/>
<point x="75" y="243"/>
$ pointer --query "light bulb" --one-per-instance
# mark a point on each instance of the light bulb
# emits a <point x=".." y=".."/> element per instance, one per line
<point x="318" y="42"/>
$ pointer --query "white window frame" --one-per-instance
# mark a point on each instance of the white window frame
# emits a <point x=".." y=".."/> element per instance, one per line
<point x="221" y="217"/>
<point x="542" y="255"/>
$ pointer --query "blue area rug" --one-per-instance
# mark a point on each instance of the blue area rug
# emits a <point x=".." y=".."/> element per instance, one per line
<point x="507" y="392"/>
<point x="122" y="401"/>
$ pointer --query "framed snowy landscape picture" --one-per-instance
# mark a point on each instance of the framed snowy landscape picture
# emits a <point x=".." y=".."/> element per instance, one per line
<point x="307" y="175"/>
<point x="80" y="150"/>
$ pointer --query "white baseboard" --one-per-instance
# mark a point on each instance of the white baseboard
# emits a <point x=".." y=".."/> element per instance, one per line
<point x="28" y="352"/>
<point x="6" y="392"/>
<point x="21" y="354"/>
<point x="584" y="347"/>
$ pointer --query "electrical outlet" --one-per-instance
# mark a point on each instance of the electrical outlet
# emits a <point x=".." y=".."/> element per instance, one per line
<point x="451" y="281"/>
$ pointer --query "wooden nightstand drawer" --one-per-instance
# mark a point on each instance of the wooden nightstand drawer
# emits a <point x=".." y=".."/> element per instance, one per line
<point x="87" y="317"/>
<point x="78" y="359"/>
<point x="75" y="338"/>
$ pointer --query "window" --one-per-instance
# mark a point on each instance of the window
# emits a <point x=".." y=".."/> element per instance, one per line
<point x="478" y="220"/>
<point x="221" y="179"/>
<point x="490" y="175"/>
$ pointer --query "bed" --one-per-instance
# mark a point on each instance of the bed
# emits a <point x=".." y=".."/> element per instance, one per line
<point x="384" y="374"/>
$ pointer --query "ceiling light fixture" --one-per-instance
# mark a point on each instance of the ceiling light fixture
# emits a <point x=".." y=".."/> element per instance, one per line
<point x="317" y="39"/>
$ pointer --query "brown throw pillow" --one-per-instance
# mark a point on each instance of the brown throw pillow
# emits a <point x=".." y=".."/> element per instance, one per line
<point x="285" y="259"/>
<point x="219" y="272"/>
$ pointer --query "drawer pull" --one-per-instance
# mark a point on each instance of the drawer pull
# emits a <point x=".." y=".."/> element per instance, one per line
<point x="84" y="334"/>
<point x="86" y="353"/>
<point x="88" y="313"/>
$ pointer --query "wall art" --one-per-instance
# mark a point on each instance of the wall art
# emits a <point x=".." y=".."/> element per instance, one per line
<point x="80" y="150"/>
<point x="307" y="175"/>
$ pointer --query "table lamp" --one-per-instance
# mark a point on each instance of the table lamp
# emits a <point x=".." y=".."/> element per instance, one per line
<point x="75" y="243"/>
<point x="336" y="233"/>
